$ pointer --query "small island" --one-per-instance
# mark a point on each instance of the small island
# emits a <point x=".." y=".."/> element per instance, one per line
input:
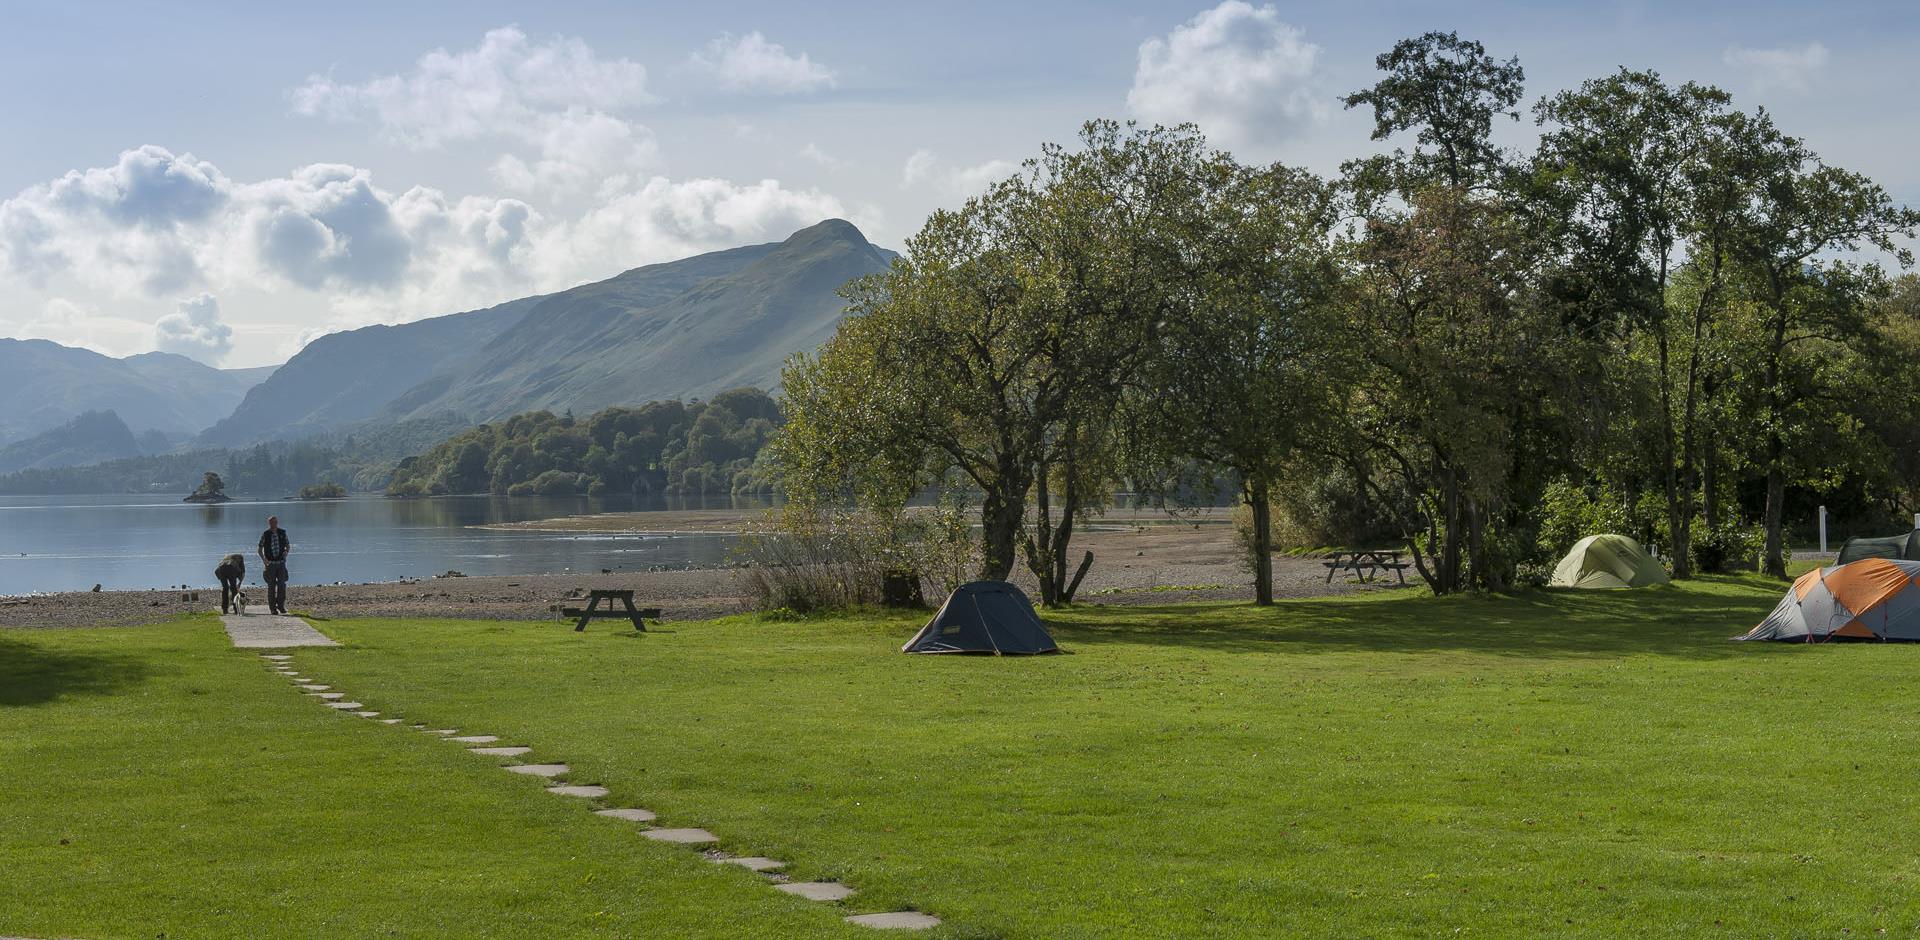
<point x="212" y="489"/>
<point x="323" y="491"/>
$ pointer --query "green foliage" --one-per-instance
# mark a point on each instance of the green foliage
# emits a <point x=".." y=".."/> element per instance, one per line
<point x="323" y="491"/>
<point x="697" y="448"/>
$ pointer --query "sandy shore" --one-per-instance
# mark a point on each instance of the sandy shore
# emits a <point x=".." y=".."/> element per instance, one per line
<point x="1144" y="560"/>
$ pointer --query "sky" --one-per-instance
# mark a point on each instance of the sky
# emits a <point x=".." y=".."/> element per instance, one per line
<point x="228" y="181"/>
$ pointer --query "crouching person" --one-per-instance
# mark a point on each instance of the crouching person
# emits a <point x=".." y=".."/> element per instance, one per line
<point x="230" y="570"/>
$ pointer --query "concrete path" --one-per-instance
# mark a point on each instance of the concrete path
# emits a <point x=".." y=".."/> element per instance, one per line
<point x="259" y="630"/>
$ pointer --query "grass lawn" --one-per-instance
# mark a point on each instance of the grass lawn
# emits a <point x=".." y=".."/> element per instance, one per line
<point x="1551" y="763"/>
<point x="156" y="782"/>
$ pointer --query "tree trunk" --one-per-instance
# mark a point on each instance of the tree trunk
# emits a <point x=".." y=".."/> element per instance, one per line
<point x="1257" y="499"/>
<point x="1001" y="513"/>
<point x="1040" y="539"/>
<point x="1450" y="537"/>
<point x="1776" y="499"/>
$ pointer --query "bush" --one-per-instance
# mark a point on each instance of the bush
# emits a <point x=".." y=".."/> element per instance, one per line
<point x="1727" y="547"/>
<point x="802" y="561"/>
<point x="323" y="491"/>
<point x="805" y="561"/>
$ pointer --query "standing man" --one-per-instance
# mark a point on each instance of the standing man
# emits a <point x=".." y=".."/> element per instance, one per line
<point x="273" y="553"/>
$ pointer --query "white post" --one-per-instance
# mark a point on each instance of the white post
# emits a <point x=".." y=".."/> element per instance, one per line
<point x="1916" y="520"/>
<point x="1823" y="530"/>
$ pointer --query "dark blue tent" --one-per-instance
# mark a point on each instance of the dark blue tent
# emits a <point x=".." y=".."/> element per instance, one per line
<point x="984" y="617"/>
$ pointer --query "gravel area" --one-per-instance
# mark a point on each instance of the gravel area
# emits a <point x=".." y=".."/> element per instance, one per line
<point x="1133" y="564"/>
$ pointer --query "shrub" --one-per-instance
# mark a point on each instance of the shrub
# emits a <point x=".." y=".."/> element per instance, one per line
<point x="1728" y="547"/>
<point x="806" y="561"/>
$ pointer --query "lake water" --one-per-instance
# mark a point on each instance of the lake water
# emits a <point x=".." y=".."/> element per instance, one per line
<point x="71" y="543"/>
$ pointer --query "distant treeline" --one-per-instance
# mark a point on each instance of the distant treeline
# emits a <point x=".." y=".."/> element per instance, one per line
<point x="666" y="447"/>
<point x="362" y="459"/>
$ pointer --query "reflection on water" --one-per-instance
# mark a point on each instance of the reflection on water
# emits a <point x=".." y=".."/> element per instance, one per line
<point x="64" y="543"/>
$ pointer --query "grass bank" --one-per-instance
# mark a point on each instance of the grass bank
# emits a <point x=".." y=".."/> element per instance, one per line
<point x="1551" y="763"/>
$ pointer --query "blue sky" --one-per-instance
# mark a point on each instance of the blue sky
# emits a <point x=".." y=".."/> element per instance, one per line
<point x="230" y="180"/>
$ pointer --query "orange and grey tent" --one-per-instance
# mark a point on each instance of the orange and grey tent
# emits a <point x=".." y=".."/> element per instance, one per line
<point x="1870" y="599"/>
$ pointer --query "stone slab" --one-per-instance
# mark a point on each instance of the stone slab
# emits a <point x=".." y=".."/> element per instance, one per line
<point x="817" y="890"/>
<point x="329" y="695"/>
<point x="628" y="814"/>
<point x="316" y="688"/>
<point x="896" y="920"/>
<point x="510" y="751"/>
<point x="681" y="836"/>
<point x="754" y="862"/>
<point x="584" y="792"/>
<point x="258" y="629"/>
<point x="276" y="657"/>
<point x="477" y="739"/>
<point x="539" y="770"/>
<point x="366" y="714"/>
<point x="346" y="705"/>
<point x="441" y="730"/>
<point x="391" y="721"/>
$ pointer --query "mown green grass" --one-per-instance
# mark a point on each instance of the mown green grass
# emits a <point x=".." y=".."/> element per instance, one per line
<point x="155" y="782"/>
<point x="1553" y="763"/>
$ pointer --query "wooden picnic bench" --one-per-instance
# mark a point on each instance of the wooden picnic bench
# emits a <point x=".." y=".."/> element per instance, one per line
<point x="639" y="615"/>
<point x="1366" y="564"/>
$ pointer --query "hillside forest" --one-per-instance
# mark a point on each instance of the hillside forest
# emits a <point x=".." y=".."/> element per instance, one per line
<point x="663" y="447"/>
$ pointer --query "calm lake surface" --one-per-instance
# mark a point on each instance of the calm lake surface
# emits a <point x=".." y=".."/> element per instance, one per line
<point x="71" y="543"/>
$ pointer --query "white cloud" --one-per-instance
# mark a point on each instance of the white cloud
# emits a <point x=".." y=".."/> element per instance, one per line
<point x="663" y="219"/>
<point x="1785" y="69"/>
<point x="558" y="98"/>
<point x="925" y="168"/>
<point x="195" y="330"/>
<point x="1236" y="70"/>
<point x="813" y="153"/>
<point x="752" y="64"/>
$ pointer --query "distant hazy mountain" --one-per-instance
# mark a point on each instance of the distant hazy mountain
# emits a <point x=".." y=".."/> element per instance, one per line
<point x="679" y="330"/>
<point x="44" y="384"/>
<point x="92" y="437"/>
<point x="344" y="378"/>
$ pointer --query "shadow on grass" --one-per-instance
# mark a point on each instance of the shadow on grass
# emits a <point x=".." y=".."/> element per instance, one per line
<point x="1692" y="622"/>
<point x="32" y="674"/>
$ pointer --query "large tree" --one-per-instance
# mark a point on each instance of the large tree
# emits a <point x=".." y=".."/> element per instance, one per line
<point x="1623" y="176"/>
<point x="1000" y="345"/>
<point x="1247" y="364"/>
<point x="1800" y="212"/>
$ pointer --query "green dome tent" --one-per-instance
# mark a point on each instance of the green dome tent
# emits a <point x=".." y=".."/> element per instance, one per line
<point x="1607" y="561"/>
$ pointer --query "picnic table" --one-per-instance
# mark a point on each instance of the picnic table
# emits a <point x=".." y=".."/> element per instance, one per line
<point x="593" y="612"/>
<point x="1366" y="564"/>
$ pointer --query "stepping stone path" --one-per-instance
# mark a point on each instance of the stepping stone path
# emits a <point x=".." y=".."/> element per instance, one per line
<point x="258" y="629"/>
<point x="268" y="631"/>
<point x="817" y="890"/>
<point x="681" y="836"/>
<point x="896" y="920"/>
<point x="752" y="862"/>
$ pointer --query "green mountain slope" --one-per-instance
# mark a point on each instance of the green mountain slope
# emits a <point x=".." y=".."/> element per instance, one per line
<point x="687" y="329"/>
<point x="344" y="378"/>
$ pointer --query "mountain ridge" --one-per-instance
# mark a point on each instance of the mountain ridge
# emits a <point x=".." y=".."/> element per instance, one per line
<point x="46" y="384"/>
<point x="673" y="330"/>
